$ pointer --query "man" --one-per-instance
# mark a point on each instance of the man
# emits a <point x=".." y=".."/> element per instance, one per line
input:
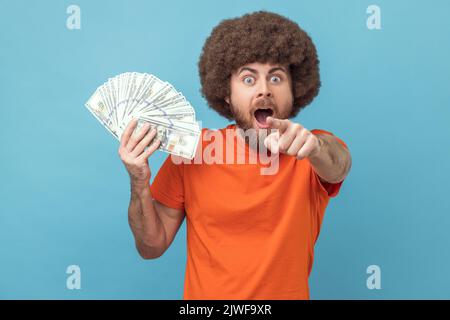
<point x="249" y="235"/>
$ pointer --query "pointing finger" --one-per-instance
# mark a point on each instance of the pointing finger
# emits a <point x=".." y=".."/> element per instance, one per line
<point x="280" y="124"/>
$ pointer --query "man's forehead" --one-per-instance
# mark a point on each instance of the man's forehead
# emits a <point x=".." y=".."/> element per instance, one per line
<point x="262" y="67"/>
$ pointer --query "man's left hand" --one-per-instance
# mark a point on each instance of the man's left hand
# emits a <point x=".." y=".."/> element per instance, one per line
<point x="292" y="139"/>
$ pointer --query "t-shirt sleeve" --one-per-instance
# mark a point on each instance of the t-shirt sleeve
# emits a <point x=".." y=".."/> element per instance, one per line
<point x="168" y="186"/>
<point x="330" y="189"/>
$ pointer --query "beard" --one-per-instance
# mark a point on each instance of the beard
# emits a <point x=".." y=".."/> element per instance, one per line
<point x="245" y="120"/>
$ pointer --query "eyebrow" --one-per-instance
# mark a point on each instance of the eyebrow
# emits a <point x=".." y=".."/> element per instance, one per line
<point x="254" y="71"/>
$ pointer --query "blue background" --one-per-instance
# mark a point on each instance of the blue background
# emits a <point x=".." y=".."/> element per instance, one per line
<point x="65" y="193"/>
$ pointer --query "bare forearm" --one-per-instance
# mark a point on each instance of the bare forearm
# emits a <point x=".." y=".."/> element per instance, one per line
<point x="145" y="223"/>
<point x="333" y="161"/>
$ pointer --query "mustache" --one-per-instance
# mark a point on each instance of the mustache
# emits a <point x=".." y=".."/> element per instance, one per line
<point x="264" y="102"/>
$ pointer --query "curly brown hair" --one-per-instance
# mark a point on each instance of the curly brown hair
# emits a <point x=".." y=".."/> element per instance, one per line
<point x="263" y="37"/>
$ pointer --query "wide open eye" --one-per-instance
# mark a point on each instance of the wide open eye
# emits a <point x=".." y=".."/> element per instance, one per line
<point x="249" y="80"/>
<point x="275" y="79"/>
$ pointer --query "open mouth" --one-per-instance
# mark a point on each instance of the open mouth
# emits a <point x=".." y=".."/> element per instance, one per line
<point x="261" y="115"/>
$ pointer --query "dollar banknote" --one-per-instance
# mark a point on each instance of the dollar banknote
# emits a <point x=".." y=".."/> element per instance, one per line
<point x="145" y="97"/>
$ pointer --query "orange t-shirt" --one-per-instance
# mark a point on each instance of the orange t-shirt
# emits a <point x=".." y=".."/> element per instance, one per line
<point x="249" y="236"/>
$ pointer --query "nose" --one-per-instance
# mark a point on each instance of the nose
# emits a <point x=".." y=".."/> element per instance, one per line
<point x="264" y="90"/>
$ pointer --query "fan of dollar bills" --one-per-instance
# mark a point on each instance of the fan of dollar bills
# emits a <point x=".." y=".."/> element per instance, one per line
<point x="145" y="97"/>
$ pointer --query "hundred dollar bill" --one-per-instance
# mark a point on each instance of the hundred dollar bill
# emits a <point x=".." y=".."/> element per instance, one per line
<point x="173" y="141"/>
<point x="98" y="107"/>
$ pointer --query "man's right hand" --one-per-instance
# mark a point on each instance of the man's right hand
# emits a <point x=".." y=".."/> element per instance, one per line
<point x="133" y="155"/>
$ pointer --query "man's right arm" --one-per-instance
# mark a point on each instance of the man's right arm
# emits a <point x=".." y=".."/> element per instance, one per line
<point x="153" y="224"/>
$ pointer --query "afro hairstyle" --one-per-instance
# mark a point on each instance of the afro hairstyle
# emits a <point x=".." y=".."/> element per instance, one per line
<point x="263" y="37"/>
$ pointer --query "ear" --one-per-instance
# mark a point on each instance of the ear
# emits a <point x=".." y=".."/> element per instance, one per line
<point x="227" y="100"/>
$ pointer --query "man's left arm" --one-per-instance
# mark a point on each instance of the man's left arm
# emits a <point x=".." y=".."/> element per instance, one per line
<point x="329" y="158"/>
